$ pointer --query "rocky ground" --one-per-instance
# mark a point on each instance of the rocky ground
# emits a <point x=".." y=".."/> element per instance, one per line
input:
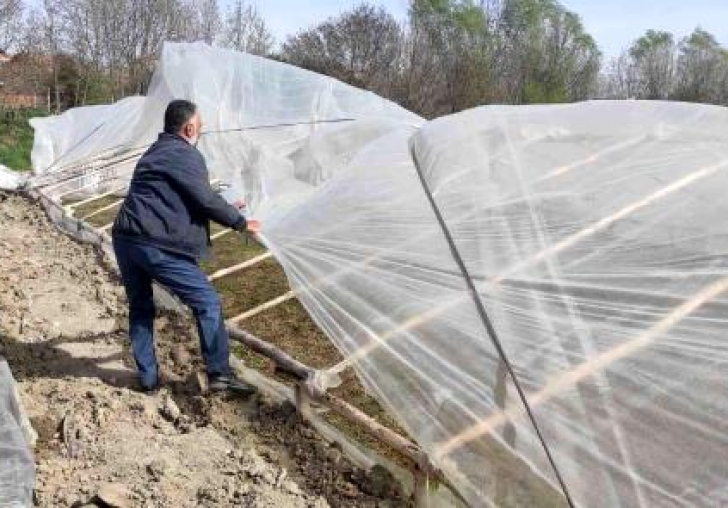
<point x="62" y="330"/>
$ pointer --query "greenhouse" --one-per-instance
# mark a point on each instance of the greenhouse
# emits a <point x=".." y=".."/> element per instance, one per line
<point x="535" y="295"/>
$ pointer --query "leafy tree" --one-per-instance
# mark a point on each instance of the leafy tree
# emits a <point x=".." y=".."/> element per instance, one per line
<point x="653" y="64"/>
<point x="451" y="52"/>
<point x="702" y="69"/>
<point x="547" y="55"/>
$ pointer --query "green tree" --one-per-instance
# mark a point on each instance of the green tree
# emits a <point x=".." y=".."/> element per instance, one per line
<point x="450" y="51"/>
<point x="702" y="68"/>
<point x="653" y="64"/>
<point x="547" y="56"/>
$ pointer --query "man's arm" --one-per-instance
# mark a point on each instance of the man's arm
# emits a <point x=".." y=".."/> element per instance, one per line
<point x="192" y="181"/>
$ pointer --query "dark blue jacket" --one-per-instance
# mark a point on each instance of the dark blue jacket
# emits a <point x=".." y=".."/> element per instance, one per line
<point x="170" y="202"/>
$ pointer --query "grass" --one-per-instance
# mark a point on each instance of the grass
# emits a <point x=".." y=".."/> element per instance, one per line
<point x="16" y="138"/>
<point x="103" y="218"/>
<point x="230" y="249"/>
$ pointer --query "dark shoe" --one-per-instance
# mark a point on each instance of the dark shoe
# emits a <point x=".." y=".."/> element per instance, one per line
<point x="231" y="384"/>
<point x="149" y="389"/>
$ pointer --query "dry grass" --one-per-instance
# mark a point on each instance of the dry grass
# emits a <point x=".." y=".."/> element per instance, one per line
<point x="229" y="250"/>
<point x="101" y="219"/>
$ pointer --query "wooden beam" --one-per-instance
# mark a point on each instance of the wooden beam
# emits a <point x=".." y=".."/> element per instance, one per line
<point x="236" y="268"/>
<point x="571" y="377"/>
<point x="106" y="227"/>
<point x="260" y="308"/>
<point x="102" y="209"/>
<point x="220" y="234"/>
<point x="285" y="361"/>
<point x="415" y="457"/>
<point x="384" y="434"/>
<point x="304" y="373"/>
<point x="95" y="198"/>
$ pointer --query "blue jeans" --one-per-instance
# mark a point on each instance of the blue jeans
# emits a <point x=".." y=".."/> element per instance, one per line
<point x="140" y="265"/>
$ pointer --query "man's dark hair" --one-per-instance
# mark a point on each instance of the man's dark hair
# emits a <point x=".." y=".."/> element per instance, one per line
<point x="178" y="113"/>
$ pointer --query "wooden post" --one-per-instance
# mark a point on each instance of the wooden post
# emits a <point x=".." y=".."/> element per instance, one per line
<point x="303" y="400"/>
<point x="422" y="489"/>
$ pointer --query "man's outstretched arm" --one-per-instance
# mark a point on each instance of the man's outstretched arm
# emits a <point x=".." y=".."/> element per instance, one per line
<point x="192" y="181"/>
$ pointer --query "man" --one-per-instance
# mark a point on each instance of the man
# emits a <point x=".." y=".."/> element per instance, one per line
<point x="161" y="232"/>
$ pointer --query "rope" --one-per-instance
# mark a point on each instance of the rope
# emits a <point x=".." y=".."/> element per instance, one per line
<point x="279" y="125"/>
<point x="487" y="323"/>
<point x="76" y="145"/>
<point x="223" y="131"/>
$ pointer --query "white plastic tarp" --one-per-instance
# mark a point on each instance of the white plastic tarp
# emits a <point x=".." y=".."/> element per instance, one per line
<point x="593" y="233"/>
<point x="17" y="469"/>
<point x="9" y="179"/>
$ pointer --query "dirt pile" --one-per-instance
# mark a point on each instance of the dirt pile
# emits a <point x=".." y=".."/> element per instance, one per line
<point x="52" y="286"/>
<point x="62" y="330"/>
<point x="152" y="449"/>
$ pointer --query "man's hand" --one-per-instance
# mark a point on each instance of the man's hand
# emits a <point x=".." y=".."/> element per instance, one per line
<point x="254" y="227"/>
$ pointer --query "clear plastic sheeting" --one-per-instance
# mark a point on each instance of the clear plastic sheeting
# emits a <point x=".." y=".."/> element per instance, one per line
<point x="272" y="131"/>
<point x="593" y="233"/>
<point x="17" y="469"/>
<point x="82" y="133"/>
<point x="9" y="179"/>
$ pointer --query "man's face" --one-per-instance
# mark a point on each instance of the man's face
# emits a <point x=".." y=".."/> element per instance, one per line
<point x="192" y="129"/>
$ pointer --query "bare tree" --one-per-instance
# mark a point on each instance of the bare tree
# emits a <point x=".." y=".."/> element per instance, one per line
<point x="618" y="79"/>
<point x="100" y="51"/>
<point x="702" y="68"/>
<point x="653" y="64"/>
<point x="655" y="67"/>
<point x="11" y="17"/>
<point x="204" y="20"/>
<point x="53" y="37"/>
<point x="456" y="54"/>
<point x="361" y="47"/>
<point x="118" y="42"/>
<point x="245" y="30"/>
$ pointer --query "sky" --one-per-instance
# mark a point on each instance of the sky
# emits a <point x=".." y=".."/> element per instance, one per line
<point x="616" y="23"/>
<point x="286" y="17"/>
<point x="613" y="23"/>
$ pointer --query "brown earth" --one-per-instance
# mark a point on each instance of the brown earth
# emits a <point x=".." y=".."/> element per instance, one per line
<point x="62" y="331"/>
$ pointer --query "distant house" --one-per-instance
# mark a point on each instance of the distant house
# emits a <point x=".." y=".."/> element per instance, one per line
<point x="18" y="89"/>
<point x="20" y="100"/>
